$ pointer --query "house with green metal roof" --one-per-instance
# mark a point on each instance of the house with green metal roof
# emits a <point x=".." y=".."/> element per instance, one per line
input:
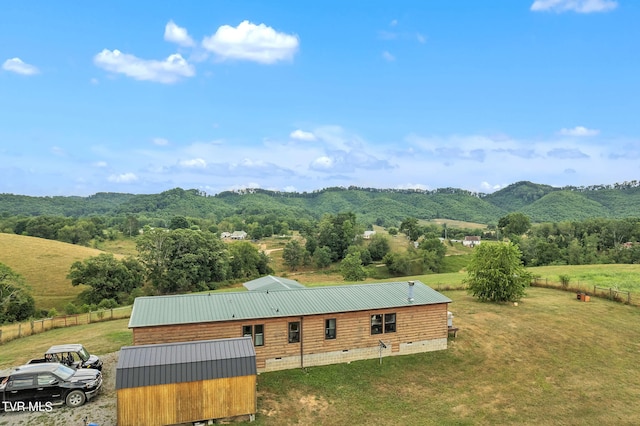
<point x="302" y="327"/>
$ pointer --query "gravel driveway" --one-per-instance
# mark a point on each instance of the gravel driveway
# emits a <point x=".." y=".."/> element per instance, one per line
<point x="101" y="410"/>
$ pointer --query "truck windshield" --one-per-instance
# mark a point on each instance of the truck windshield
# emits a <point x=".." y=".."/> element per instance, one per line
<point x="64" y="372"/>
<point x="83" y="354"/>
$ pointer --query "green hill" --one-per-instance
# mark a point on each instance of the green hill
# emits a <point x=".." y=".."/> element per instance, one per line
<point x="381" y="206"/>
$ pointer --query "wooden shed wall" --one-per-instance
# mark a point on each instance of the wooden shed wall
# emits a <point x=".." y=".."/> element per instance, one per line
<point x="187" y="402"/>
<point x="353" y="331"/>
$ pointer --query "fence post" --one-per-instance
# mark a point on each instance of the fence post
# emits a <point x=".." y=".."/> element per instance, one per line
<point x="89" y="317"/>
<point x="0" y="336"/>
<point x="32" y="327"/>
<point x="20" y="329"/>
<point x="111" y="313"/>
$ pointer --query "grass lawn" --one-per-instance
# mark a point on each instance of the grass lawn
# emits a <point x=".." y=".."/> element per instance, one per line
<point x="551" y="360"/>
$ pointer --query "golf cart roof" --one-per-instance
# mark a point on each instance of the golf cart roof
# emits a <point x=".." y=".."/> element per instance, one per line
<point x="56" y="349"/>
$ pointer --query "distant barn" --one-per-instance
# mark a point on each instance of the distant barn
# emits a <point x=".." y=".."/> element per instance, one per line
<point x="173" y="383"/>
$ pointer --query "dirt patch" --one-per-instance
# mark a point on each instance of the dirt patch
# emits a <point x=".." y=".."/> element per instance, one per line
<point x="310" y="409"/>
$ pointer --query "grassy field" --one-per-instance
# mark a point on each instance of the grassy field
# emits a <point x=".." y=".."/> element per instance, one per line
<point x="44" y="264"/>
<point x="551" y="360"/>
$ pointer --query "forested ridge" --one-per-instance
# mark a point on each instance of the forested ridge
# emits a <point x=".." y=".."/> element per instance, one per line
<point x="387" y="207"/>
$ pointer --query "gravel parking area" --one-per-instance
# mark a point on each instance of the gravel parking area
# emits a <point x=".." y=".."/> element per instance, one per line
<point x="100" y="410"/>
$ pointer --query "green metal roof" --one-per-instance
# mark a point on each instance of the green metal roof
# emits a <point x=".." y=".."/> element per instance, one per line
<point x="211" y="307"/>
<point x="271" y="283"/>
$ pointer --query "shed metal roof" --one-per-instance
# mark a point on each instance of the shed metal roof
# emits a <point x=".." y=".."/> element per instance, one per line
<point x="212" y="307"/>
<point x="147" y="365"/>
<point x="271" y="283"/>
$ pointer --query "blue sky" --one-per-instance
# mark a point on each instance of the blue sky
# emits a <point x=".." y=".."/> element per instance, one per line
<point x="141" y="97"/>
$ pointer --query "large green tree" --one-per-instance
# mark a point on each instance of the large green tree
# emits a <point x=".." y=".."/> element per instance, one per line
<point x="379" y="246"/>
<point x="107" y="277"/>
<point x="247" y="261"/>
<point x="514" y="225"/>
<point x="351" y="268"/>
<point x="293" y="254"/>
<point x="16" y="304"/>
<point x="496" y="274"/>
<point x="337" y="232"/>
<point x="411" y="228"/>
<point x="183" y="260"/>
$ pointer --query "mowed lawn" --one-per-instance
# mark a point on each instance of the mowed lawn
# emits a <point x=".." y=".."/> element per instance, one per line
<point x="550" y="360"/>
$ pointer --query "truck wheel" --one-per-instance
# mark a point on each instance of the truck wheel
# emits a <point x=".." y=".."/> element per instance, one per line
<point x="75" y="398"/>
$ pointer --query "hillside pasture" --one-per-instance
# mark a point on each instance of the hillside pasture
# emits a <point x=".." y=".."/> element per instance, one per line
<point x="44" y="264"/>
<point x="584" y="277"/>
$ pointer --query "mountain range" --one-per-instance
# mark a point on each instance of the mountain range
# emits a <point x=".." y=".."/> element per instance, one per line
<point x="388" y="207"/>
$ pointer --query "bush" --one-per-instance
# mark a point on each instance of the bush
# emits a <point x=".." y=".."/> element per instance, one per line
<point x="107" y="304"/>
<point x="564" y="281"/>
<point x="71" y="309"/>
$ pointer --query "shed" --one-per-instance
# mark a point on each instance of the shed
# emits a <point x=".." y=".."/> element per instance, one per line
<point x="173" y="383"/>
<point x="270" y="283"/>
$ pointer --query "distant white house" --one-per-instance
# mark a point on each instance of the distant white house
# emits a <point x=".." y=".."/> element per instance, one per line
<point x="225" y="235"/>
<point x="238" y="235"/>
<point x="471" y="241"/>
<point x="368" y="234"/>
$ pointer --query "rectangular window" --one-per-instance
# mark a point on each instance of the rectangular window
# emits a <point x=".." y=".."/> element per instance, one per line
<point x="389" y="323"/>
<point x="247" y="331"/>
<point x="330" y="328"/>
<point x="294" y="332"/>
<point x="21" y="382"/>
<point x="376" y="324"/>
<point x="258" y="338"/>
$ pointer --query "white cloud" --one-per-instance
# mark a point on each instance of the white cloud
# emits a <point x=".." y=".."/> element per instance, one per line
<point x="322" y="163"/>
<point x="176" y="34"/>
<point x="412" y="186"/>
<point x="250" y="42"/>
<point x="123" y="178"/>
<point x="579" y="131"/>
<point x="19" y="67"/>
<point x="301" y="135"/>
<point x="168" y="71"/>
<point x="486" y="186"/>
<point x="393" y="23"/>
<point x="100" y="164"/>
<point x="195" y="163"/>
<point x="388" y="56"/>
<point x="579" y="6"/>
<point x="421" y="39"/>
<point x="160" y="141"/>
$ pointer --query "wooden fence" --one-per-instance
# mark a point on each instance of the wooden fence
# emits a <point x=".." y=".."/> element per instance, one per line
<point x="613" y="294"/>
<point x="621" y="296"/>
<point x="22" y="329"/>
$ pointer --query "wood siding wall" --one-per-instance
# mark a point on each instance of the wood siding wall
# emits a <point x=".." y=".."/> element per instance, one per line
<point x="187" y="402"/>
<point x="353" y="331"/>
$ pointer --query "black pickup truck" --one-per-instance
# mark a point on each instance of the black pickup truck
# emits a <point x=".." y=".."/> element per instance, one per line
<point x="72" y="355"/>
<point x="38" y="387"/>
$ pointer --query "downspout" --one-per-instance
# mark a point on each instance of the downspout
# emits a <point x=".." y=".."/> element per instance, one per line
<point x="301" y="345"/>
